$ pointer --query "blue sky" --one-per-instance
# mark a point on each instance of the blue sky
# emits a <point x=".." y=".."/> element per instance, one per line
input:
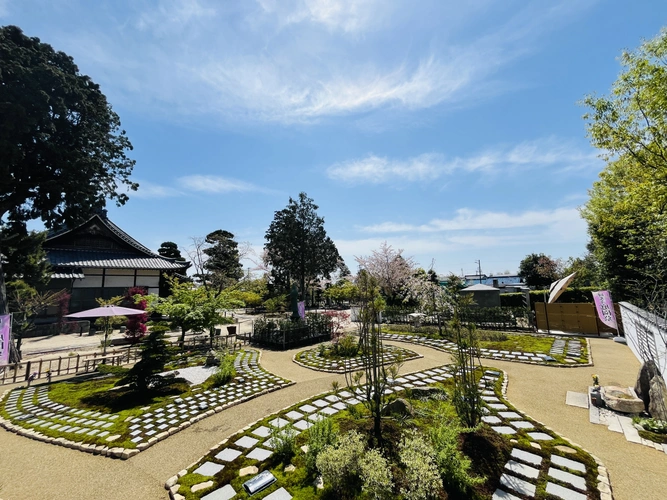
<point x="448" y="129"/>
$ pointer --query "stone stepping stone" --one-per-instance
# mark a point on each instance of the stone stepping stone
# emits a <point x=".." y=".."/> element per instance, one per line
<point x="503" y="495"/>
<point x="340" y="406"/>
<point x="228" y="455"/>
<point x="302" y="425"/>
<point x="564" y="493"/>
<point x="259" y="454"/>
<point x="526" y="456"/>
<point x="308" y="408"/>
<point x="509" y="415"/>
<point x="518" y="485"/>
<point x="316" y="417"/>
<point x="490" y="419"/>
<point x="566" y="462"/>
<point x="522" y="469"/>
<point x="490" y="399"/>
<point x="576" y="481"/>
<point x="497" y="406"/>
<point x="261" y="431"/>
<point x="329" y="411"/>
<point x="539" y="436"/>
<point x="246" y="442"/>
<point x="278" y="422"/>
<point x="225" y="493"/>
<point x="279" y="494"/>
<point x="321" y="403"/>
<point x="208" y="469"/>
<point x="294" y="415"/>
<point x="521" y="424"/>
<point x="503" y="429"/>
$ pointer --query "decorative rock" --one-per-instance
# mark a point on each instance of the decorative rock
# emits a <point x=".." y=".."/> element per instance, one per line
<point x="201" y="486"/>
<point x="247" y="471"/>
<point x="622" y="400"/>
<point x="642" y="387"/>
<point x="657" y="398"/>
<point x="399" y="406"/>
<point x="290" y="468"/>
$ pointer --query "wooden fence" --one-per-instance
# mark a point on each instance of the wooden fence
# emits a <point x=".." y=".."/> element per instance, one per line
<point x="572" y="318"/>
<point x="85" y="363"/>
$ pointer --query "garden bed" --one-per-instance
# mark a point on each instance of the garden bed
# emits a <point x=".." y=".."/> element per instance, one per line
<point x="324" y="358"/>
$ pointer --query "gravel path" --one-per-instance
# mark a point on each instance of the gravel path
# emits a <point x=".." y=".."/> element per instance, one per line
<point x="34" y="470"/>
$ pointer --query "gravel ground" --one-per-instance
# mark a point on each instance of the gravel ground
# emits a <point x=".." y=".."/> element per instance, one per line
<point x="33" y="470"/>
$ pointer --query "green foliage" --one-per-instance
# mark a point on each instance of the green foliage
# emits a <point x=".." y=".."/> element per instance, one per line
<point x="418" y="457"/>
<point x="297" y="245"/>
<point x="343" y="291"/>
<point x="376" y="478"/>
<point x="347" y="346"/>
<point x="467" y="398"/>
<point x="117" y="371"/>
<point x="339" y="465"/>
<point x="454" y="466"/>
<point x="222" y="267"/>
<point x="276" y="304"/>
<point x="587" y="271"/>
<point x="225" y="372"/>
<point x="539" y="270"/>
<point x="170" y="250"/>
<point x="321" y="434"/>
<point x="653" y="425"/>
<point x="626" y="214"/>
<point x="283" y="441"/>
<point x="154" y="356"/>
<point x="24" y="259"/>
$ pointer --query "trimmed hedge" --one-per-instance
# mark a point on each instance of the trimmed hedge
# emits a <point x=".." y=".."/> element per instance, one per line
<point x="570" y="295"/>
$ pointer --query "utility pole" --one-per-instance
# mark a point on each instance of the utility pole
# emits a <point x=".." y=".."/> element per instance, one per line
<point x="479" y="269"/>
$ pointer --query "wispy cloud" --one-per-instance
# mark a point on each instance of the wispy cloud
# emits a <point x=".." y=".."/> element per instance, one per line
<point x="549" y="152"/>
<point x="273" y="62"/>
<point x="149" y="190"/>
<point x="217" y="184"/>
<point x="473" y="220"/>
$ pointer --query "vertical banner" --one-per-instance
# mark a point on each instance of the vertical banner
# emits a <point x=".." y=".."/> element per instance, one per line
<point x="605" y="308"/>
<point x="5" y="325"/>
<point x="302" y="309"/>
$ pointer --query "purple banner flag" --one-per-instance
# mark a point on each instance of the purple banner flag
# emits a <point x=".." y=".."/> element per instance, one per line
<point x="605" y="308"/>
<point x="301" y="306"/>
<point x="5" y="323"/>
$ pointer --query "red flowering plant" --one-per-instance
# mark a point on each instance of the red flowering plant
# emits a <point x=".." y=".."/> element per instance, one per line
<point x="136" y="324"/>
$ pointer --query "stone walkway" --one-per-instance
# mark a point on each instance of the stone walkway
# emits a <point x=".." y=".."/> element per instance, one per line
<point x="31" y="409"/>
<point x="515" y="356"/>
<point x="311" y="359"/>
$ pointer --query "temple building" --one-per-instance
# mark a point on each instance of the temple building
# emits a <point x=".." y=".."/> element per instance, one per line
<point x="98" y="259"/>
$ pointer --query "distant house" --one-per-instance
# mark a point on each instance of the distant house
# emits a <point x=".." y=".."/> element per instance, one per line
<point x="506" y="283"/>
<point x="99" y="260"/>
<point x="483" y="295"/>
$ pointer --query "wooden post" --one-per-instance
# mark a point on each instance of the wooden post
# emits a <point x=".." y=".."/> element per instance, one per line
<point x="27" y="370"/>
<point x="39" y="369"/>
<point x="78" y="357"/>
<point x="16" y="371"/>
<point x="59" y="362"/>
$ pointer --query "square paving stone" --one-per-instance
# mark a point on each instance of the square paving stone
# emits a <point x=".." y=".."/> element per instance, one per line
<point x="490" y="419"/>
<point x="228" y="455"/>
<point x="246" y="442"/>
<point x="321" y="403"/>
<point x="329" y="411"/>
<point x="566" y="477"/>
<point x="566" y="462"/>
<point x="564" y="493"/>
<point x="340" y="406"/>
<point x="259" y="454"/>
<point x="278" y="422"/>
<point x="518" y="485"/>
<point x="526" y="456"/>
<point x="509" y="415"/>
<point x="261" y="431"/>
<point x="522" y="469"/>
<point x="498" y="406"/>
<point x="208" y="469"/>
<point x="294" y="415"/>
<point x="521" y="424"/>
<point x="225" y="493"/>
<point x="345" y="394"/>
<point x="539" y="436"/>
<point x="137" y="439"/>
<point x="503" y="429"/>
<point x="279" y="494"/>
<point x="302" y="425"/>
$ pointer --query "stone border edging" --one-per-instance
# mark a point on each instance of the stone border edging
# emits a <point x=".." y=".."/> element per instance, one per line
<point x="577" y="365"/>
<point x="604" y="484"/>
<point x="125" y="453"/>
<point x="343" y="372"/>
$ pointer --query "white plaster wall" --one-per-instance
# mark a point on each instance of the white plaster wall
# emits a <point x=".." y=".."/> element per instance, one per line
<point x="640" y="325"/>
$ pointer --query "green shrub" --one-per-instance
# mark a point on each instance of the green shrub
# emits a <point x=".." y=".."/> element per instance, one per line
<point x="422" y="480"/>
<point x="347" y="346"/>
<point x="376" y="479"/>
<point x="339" y="465"/>
<point x="454" y="466"/>
<point x="113" y="370"/>
<point x="654" y="425"/>
<point x="323" y="433"/>
<point x="284" y="443"/>
<point x="225" y="372"/>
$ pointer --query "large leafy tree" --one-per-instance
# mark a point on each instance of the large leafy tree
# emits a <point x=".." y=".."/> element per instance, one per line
<point x="297" y="246"/>
<point x="24" y="258"/>
<point x="62" y="151"/>
<point x="539" y="270"/>
<point x="627" y="209"/>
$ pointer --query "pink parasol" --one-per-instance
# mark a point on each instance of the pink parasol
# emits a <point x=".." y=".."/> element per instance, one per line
<point x="104" y="311"/>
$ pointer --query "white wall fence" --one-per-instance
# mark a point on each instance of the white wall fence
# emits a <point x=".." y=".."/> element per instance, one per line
<point x="646" y="335"/>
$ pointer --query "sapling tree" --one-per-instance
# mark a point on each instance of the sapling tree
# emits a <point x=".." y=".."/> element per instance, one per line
<point x="145" y="374"/>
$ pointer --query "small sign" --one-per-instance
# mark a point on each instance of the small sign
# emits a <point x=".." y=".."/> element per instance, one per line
<point x="605" y="308"/>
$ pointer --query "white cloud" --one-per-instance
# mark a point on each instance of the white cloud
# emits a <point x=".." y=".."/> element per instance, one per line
<point x="173" y="15"/>
<point x="217" y="184"/>
<point x="474" y="220"/>
<point x="548" y="152"/>
<point x="149" y="190"/>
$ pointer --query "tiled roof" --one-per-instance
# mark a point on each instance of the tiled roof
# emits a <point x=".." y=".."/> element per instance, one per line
<point x="68" y="274"/>
<point x="109" y="260"/>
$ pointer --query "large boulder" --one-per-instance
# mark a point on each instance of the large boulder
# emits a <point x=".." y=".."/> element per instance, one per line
<point x="657" y="406"/>
<point x="398" y="407"/>
<point x="642" y="387"/>
<point x="621" y="399"/>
